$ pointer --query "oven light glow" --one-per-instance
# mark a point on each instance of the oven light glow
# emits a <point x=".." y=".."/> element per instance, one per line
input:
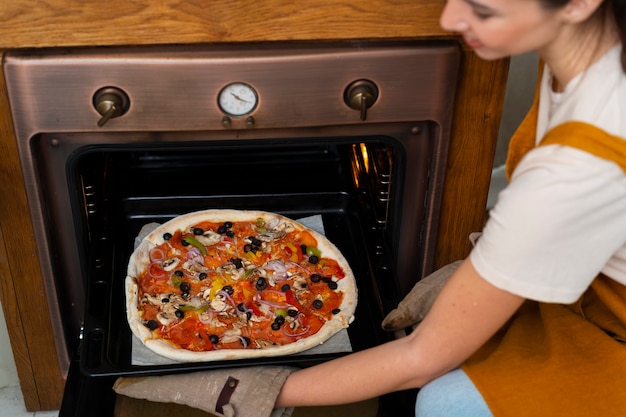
<point x="356" y="166"/>
<point x="365" y="157"/>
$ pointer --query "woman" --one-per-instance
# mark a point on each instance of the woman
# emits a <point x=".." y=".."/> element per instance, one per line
<point x="533" y="322"/>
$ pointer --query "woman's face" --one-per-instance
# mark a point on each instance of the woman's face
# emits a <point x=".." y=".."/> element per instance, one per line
<point x="500" y="28"/>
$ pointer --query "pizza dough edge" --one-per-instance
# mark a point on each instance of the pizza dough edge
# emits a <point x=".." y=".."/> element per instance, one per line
<point x="165" y="349"/>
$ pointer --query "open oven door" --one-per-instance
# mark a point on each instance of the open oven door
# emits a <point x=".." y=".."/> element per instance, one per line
<point x="94" y="397"/>
<point x="86" y="396"/>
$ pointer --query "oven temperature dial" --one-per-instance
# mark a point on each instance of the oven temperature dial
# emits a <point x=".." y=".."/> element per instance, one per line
<point x="361" y="95"/>
<point x="110" y="102"/>
<point x="238" y="99"/>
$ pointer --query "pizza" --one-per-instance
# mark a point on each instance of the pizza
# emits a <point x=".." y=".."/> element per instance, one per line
<point x="229" y="284"/>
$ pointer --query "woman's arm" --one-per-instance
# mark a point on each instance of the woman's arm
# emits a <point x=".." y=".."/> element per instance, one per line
<point x="466" y="314"/>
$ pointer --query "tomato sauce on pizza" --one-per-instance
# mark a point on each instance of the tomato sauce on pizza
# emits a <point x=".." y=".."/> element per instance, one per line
<point x="258" y="281"/>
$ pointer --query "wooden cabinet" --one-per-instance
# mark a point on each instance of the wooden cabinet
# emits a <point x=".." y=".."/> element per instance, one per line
<point x="62" y="23"/>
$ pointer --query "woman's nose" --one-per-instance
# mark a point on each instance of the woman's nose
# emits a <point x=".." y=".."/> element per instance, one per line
<point x="451" y="18"/>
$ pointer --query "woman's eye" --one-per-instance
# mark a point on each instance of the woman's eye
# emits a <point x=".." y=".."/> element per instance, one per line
<point x="482" y="14"/>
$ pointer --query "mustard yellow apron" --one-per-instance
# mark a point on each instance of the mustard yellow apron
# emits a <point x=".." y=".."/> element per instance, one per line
<point x="554" y="359"/>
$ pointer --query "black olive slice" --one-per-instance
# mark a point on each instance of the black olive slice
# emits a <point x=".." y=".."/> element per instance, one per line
<point x="261" y="284"/>
<point x="185" y="287"/>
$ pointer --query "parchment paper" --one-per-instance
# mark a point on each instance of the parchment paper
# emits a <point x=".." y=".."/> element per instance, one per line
<point x="339" y="343"/>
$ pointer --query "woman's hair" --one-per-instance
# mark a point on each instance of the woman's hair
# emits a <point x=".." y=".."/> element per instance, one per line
<point x="615" y="9"/>
<point x="619" y="14"/>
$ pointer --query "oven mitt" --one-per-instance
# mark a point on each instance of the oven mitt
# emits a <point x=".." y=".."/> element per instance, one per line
<point x="414" y="307"/>
<point x="234" y="392"/>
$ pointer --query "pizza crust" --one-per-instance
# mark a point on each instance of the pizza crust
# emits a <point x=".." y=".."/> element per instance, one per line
<point x="140" y="258"/>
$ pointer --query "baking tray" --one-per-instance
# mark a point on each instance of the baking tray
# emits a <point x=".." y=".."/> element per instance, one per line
<point x="106" y="346"/>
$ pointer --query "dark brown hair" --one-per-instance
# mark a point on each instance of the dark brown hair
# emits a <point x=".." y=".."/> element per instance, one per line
<point x="615" y="9"/>
<point x="619" y="14"/>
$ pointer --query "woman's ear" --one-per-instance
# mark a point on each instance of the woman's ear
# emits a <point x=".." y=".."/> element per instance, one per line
<point x="577" y="11"/>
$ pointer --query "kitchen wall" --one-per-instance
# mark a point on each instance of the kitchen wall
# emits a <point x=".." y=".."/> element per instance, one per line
<point x="518" y="98"/>
<point x="8" y="374"/>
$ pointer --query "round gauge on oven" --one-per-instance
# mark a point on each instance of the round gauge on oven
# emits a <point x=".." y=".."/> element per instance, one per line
<point x="238" y="99"/>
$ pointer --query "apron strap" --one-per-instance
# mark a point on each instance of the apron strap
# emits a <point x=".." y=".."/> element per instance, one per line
<point x="590" y="139"/>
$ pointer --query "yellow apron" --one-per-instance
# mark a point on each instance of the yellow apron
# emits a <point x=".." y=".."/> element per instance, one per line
<point x="554" y="359"/>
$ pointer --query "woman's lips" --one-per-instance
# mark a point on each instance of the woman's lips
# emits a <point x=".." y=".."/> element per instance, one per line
<point x="473" y="43"/>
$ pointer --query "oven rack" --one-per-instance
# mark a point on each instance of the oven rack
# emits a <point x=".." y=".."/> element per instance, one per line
<point x="105" y="348"/>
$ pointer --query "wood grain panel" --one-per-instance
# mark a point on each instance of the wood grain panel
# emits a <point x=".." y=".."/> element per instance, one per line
<point x="13" y="318"/>
<point x="42" y="23"/>
<point x="478" y="110"/>
<point x="23" y="298"/>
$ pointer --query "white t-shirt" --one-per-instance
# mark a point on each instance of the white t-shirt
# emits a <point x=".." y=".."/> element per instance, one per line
<point x="562" y="218"/>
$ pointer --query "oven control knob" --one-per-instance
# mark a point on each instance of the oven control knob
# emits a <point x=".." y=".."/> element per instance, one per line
<point x="361" y="95"/>
<point x="110" y="102"/>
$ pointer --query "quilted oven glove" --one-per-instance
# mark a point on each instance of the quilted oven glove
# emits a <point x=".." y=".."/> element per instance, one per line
<point x="414" y="307"/>
<point x="236" y="392"/>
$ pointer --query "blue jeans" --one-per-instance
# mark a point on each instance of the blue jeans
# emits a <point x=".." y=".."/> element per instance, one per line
<point x="451" y="395"/>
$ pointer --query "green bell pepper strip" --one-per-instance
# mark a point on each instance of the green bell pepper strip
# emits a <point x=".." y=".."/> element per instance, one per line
<point x="194" y="242"/>
<point x="176" y="281"/>
<point x="311" y="250"/>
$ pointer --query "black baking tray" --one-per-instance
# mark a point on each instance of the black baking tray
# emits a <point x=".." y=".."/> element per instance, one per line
<point x="105" y="349"/>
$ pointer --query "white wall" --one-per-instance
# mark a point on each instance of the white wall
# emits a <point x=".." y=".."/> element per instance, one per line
<point x="520" y="91"/>
<point x="518" y="99"/>
<point x="8" y="373"/>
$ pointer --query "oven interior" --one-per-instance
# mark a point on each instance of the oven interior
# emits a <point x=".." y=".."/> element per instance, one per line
<point x="354" y="183"/>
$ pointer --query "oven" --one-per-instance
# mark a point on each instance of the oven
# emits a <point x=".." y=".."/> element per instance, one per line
<point x="354" y="134"/>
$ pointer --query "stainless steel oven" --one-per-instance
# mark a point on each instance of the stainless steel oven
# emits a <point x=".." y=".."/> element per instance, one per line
<point x="113" y="138"/>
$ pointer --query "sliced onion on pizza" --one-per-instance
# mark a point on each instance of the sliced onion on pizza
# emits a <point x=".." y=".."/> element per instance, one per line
<point x="229" y="284"/>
